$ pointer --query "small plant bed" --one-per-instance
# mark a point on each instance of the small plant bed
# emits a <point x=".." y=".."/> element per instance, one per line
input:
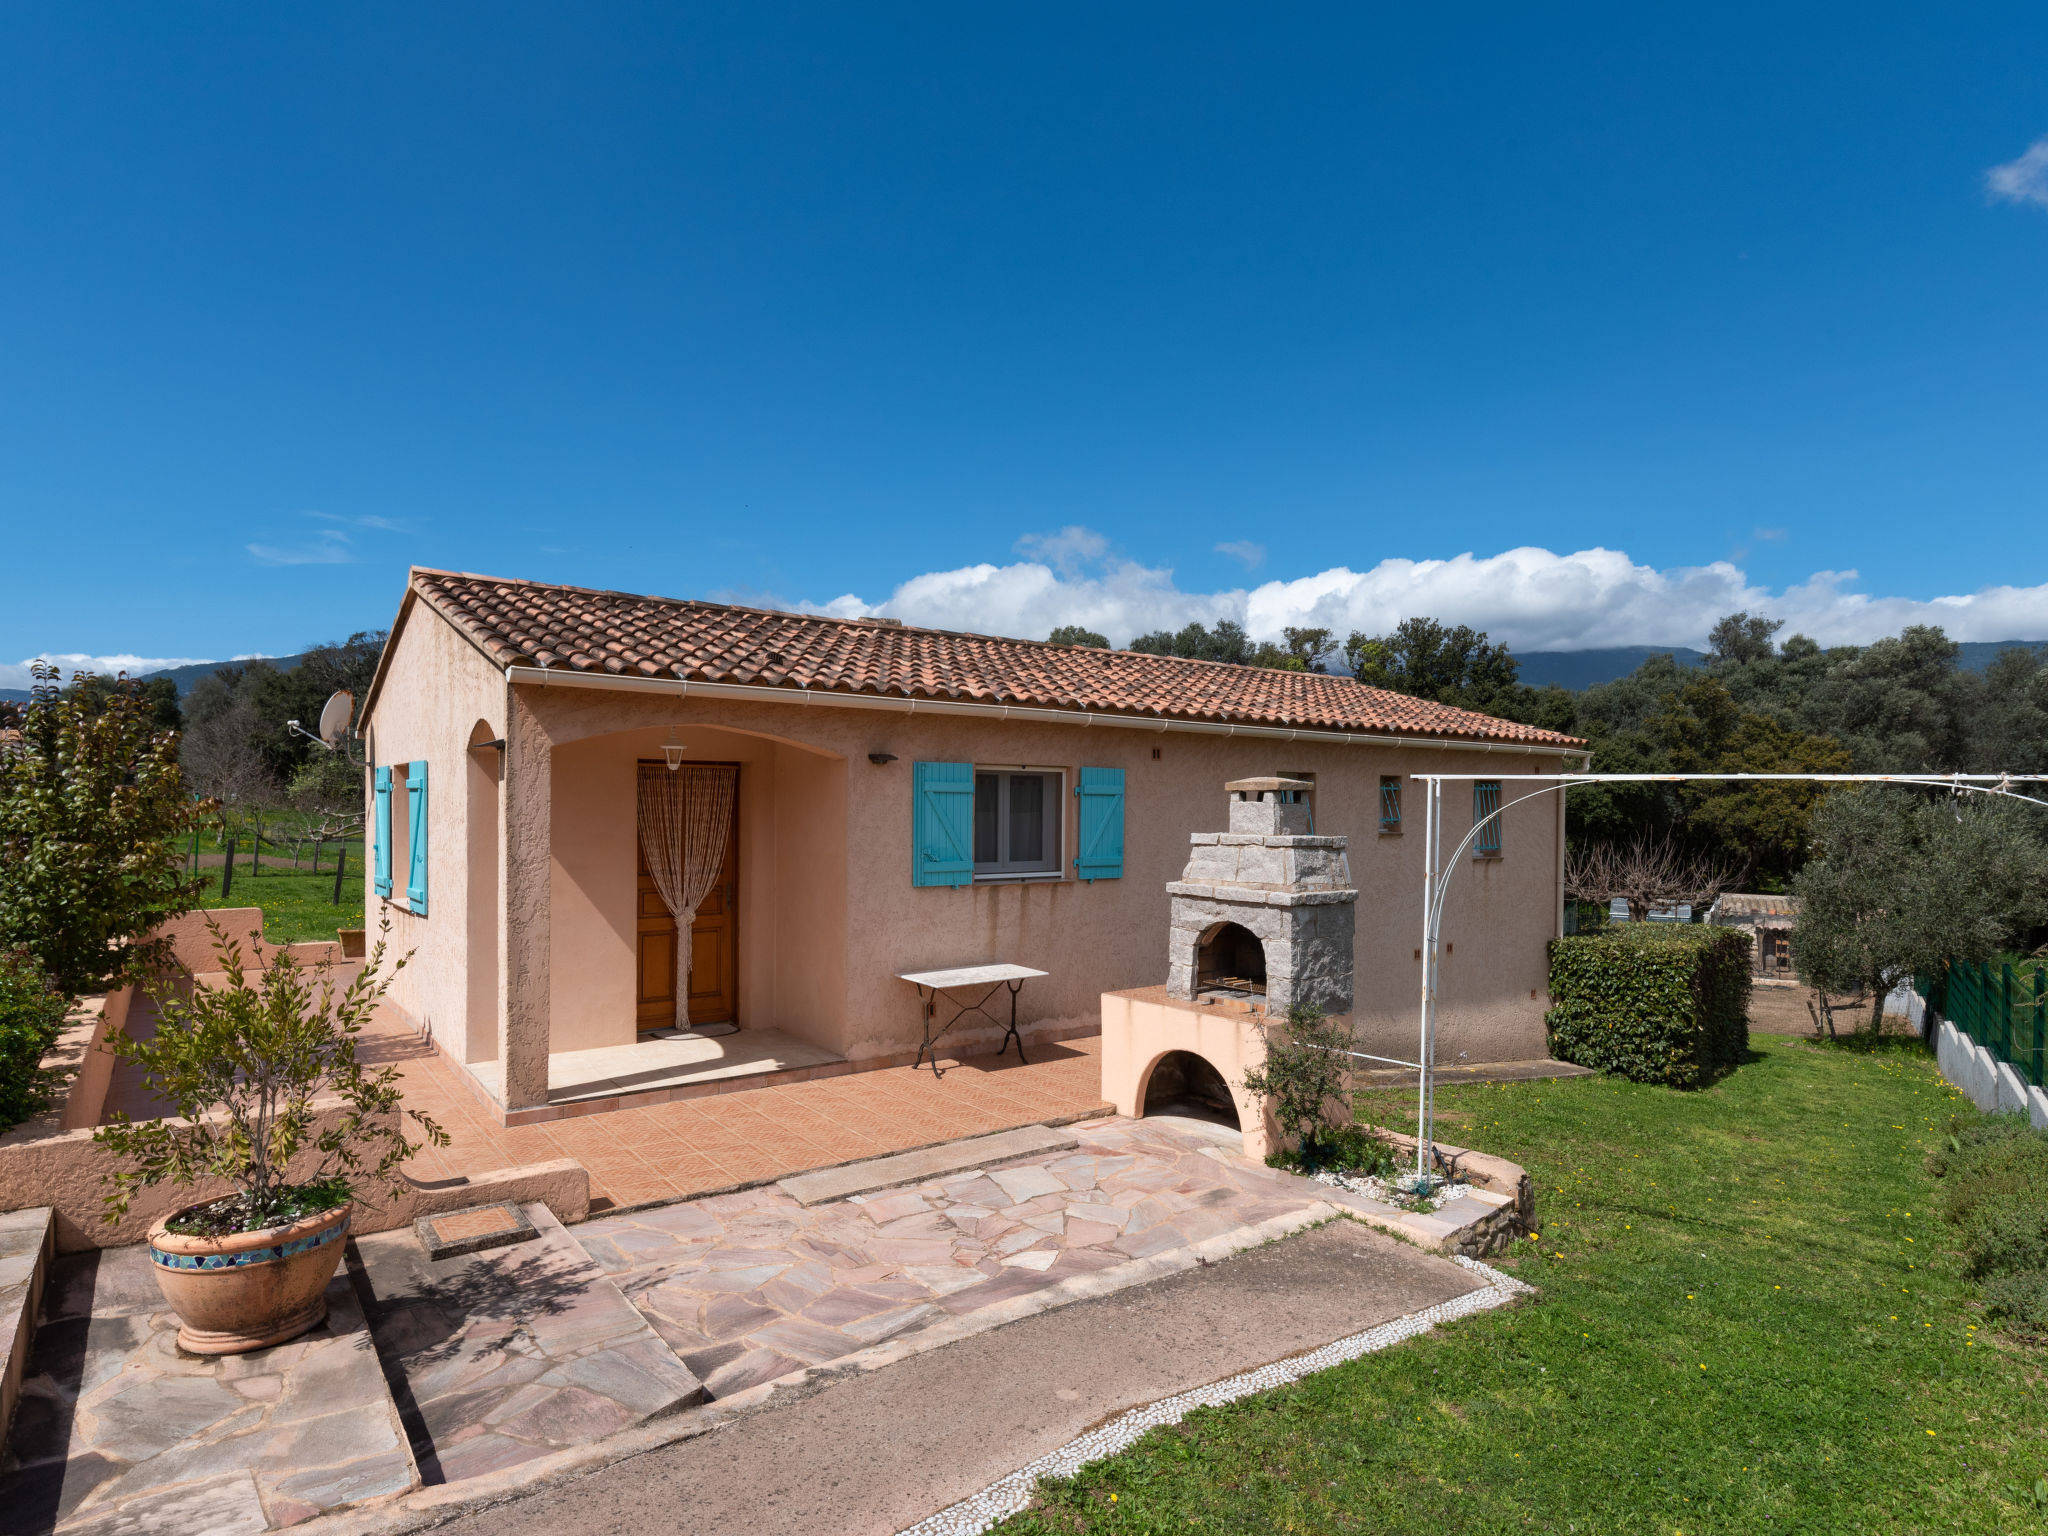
<point x="235" y="1213"/>
<point x="1352" y="1157"/>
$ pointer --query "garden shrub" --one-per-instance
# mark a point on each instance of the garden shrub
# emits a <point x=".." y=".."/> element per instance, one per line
<point x="1348" y="1149"/>
<point x="31" y="1013"/>
<point x="2004" y="1237"/>
<point x="1994" y="1189"/>
<point x="1996" y="1164"/>
<point x="1304" y="1077"/>
<point x="2019" y="1299"/>
<point x="1959" y="1141"/>
<point x="1652" y="1002"/>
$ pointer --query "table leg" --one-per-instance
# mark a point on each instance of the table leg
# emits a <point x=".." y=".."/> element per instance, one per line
<point x="1011" y="1033"/>
<point x="930" y="1002"/>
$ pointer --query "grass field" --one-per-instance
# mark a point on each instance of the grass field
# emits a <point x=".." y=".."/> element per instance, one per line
<point x="296" y="907"/>
<point x="1749" y="1321"/>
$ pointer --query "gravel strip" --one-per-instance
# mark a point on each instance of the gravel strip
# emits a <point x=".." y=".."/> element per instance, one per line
<point x="1000" y="1500"/>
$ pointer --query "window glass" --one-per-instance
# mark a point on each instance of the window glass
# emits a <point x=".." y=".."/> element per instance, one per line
<point x="401" y="829"/>
<point x="987" y="794"/>
<point x="1027" y="818"/>
<point x="1390" y="804"/>
<point x="1016" y="823"/>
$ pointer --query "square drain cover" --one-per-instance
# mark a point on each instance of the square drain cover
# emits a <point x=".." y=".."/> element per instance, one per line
<point x="451" y="1234"/>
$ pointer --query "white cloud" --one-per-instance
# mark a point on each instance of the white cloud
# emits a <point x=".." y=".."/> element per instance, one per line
<point x="2024" y="180"/>
<point x="381" y="524"/>
<point x="17" y="676"/>
<point x="1066" y="551"/>
<point x="330" y="546"/>
<point x="1531" y="598"/>
<point x="1244" y="551"/>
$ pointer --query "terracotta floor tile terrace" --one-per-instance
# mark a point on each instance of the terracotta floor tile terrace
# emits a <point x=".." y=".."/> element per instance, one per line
<point x="673" y="1151"/>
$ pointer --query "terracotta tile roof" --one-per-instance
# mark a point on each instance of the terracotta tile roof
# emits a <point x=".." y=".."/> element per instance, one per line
<point x="1742" y="906"/>
<point x="527" y="623"/>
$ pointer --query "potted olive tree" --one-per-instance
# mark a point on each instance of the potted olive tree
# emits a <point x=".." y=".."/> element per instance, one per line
<point x="269" y="1096"/>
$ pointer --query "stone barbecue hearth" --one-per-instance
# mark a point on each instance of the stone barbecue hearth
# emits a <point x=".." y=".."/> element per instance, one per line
<point x="1266" y="911"/>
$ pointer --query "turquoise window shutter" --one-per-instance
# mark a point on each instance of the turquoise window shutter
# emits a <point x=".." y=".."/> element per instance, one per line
<point x="1101" y="793"/>
<point x="416" y="837"/>
<point x="942" y="824"/>
<point x="383" y="877"/>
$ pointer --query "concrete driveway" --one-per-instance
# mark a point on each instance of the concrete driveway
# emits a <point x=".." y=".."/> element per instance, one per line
<point x="871" y="1455"/>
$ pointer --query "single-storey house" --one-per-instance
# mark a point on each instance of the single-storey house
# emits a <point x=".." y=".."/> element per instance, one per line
<point x="1768" y="920"/>
<point x="608" y="828"/>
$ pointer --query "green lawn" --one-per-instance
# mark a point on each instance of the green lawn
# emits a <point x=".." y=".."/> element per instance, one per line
<point x="1749" y="1320"/>
<point x="296" y="907"/>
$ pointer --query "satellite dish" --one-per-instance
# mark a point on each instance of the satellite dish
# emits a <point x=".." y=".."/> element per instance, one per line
<point x="335" y="715"/>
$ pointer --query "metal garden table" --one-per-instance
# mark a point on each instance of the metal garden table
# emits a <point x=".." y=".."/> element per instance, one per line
<point x="990" y="978"/>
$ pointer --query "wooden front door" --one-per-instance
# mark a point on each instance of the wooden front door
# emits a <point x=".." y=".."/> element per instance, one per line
<point x="714" y="952"/>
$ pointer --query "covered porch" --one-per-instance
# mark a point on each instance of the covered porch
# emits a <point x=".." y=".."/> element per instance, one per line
<point x="653" y="913"/>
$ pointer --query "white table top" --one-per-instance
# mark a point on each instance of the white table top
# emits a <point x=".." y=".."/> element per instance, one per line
<point x="968" y="976"/>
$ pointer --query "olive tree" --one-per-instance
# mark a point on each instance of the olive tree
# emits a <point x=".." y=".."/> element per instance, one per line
<point x="1899" y="884"/>
<point x="91" y="802"/>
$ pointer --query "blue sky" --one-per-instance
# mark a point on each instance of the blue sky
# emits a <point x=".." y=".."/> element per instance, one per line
<point x="1126" y="315"/>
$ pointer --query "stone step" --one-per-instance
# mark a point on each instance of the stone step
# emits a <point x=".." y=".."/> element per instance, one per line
<point x="516" y="1352"/>
<point x="27" y="1243"/>
<point x="902" y="1168"/>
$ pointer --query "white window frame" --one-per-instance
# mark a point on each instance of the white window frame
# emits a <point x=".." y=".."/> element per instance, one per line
<point x="1050" y="866"/>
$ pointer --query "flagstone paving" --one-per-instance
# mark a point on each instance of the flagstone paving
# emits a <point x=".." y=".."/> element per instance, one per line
<point x="749" y="1287"/>
<point x="514" y="1352"/>
<point x="120" y="1431"/>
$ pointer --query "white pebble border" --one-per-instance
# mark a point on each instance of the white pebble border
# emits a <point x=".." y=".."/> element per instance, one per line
<point x="1000" y="1500"/>
<point x="1375" y="1188"/>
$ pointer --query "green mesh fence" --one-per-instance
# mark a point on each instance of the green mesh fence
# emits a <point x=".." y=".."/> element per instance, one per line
<point x="2004" y="1008"/>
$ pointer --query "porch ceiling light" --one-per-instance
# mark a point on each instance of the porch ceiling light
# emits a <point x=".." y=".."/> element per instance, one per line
<point x="672" y="750"/>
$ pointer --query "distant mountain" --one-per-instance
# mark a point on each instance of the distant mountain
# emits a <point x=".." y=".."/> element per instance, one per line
<point x="1574" y="670"/>
<point x="1979" y="654"/>
<point x="1582" y="669"/>
<point x="185" y="677"/>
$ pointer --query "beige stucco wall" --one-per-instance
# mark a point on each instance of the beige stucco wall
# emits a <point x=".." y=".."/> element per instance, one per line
<point x="828" y="915"/>
<point x="1094" y="938"/>
<point x="438" y="687"/>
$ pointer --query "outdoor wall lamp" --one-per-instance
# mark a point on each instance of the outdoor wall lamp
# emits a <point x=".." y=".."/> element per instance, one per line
<point x="673" y="750"/>
<point x="880" y="759"/>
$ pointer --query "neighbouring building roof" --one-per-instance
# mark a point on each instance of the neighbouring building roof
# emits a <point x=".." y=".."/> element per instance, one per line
<point x="529" y="623"/>
<point x="1736" y="909"/>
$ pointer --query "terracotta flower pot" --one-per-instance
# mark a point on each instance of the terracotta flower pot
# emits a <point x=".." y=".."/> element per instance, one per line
<point x="253" y="1289"/>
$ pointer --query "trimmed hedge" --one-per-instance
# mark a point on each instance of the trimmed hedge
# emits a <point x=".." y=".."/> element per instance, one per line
<point x="1652" y="1002"/>
<point x="31" y="1014"/>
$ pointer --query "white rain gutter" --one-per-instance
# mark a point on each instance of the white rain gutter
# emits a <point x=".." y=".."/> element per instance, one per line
<point x="559" y="677"/>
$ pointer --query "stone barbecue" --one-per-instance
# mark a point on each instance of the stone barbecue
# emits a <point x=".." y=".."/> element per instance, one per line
<point x="1265" y="912"/>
